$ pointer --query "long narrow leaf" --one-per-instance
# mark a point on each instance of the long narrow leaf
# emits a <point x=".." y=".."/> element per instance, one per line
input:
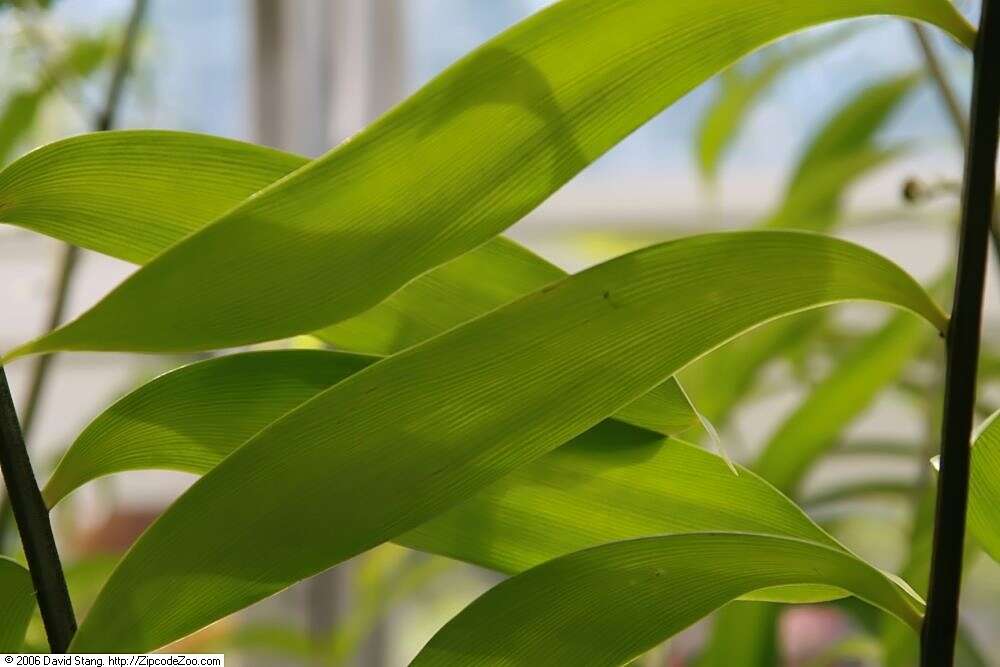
<point x="193" y="417"/>
<point x="463" y="159"/>
<point x="131" y="194"/>
<point x="740" y="90"/>
<point x="613" y="482"/>
<point x="406" y="438"/>
<point x="17" y="603"/>
<point x="840" y="152"/>
<point x="606" y="605"/>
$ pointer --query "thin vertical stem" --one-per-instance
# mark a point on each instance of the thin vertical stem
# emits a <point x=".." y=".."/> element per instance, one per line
<point x="32" y="518"/>
<point x="951" y="104"/>
<point x="936" y="70"/>
<point x="104" y="120"/>
<point x="962" y="349"/>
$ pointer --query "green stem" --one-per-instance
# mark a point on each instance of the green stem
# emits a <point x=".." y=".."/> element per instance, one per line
<point x="32" y="518"/>
<point x="962" y="349"/>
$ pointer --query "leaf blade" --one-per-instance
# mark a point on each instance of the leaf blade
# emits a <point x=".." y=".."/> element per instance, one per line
<point x="608" y="604"/>
<point x="18" y="603"/>
<point x="596" y="341"/>
<point x="463" y="159"/>
<point x="984" y="488"/>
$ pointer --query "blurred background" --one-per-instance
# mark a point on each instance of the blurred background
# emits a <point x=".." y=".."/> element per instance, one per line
<point x="739" y="151"/>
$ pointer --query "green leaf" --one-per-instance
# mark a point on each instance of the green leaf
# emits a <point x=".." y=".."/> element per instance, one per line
<point x="83" y="56"/>
<point x="814" y="203"/>
<point x="611" y="483"/>
<point x="193" y="417"/>
<point x="854" y="125"/>
<point x="611" y="603"/>
<point x="131" y="194"/>
<point x="740" y="90"/>
<point x="460" y="161"/>
<point x="853" y="490"/>
<point x="984" y="489"/>
<point x="482" y="279"/>
<point x="812" y="429"/>
<point x="840" y="152"/>
<point x="475" y="283"/>
<point x="193" y="178"/>
<point x="17" y="603"/>
<point x="745" y="634"/>
<point x="406" y="438"/>
<point x="718" y="382"/>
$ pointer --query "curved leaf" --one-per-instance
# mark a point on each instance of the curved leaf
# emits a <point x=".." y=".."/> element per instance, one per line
<point x="131" y="194"/>
<point x="613" y="482"/>
<point x="463" y="159"/>
<point x="812" y="428"/>
<point x="984" y="488"/>
<point x="839" y="153"/>
<point x="17" y="603"/>
<point x="94" y="185"/>
<point x="193" y="417"/>
<point x="743" y="633"/>
<point x="739" y="90"/>
<point x="482" y="279"/>
<point x="423" y="430"/>
<point x="852" y="127"/>
<point x="611" y="603"/>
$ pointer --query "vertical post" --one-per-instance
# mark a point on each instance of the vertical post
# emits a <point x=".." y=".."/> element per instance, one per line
<point x="32" y="517"/>
<point x="962" y="349"/>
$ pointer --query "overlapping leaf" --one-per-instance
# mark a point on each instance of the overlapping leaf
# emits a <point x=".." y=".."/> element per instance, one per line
<point x="17" y="603"/>
<point x="397" y="443"/>
<point x="841" y="152"/>
<point x="467" y="156"/>
<point x="191" y="418"/>
<point x="611" y="483"/>
<point x="131" y="194"/>
<point x="611" y="603"/>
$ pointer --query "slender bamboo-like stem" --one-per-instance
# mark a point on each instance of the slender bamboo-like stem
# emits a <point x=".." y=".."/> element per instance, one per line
<point x="32" y="518"/>
<point x="952" y="105"/>
<point x="962" y="349"/>
<point x="105" y="120"/>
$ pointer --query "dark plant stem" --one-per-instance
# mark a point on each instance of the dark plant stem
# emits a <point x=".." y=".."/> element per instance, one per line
<point x="962" y="349"/>
<point x="951" y="104"/>
<point x="32" y="518"/>
<point x="104" y="121"/>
